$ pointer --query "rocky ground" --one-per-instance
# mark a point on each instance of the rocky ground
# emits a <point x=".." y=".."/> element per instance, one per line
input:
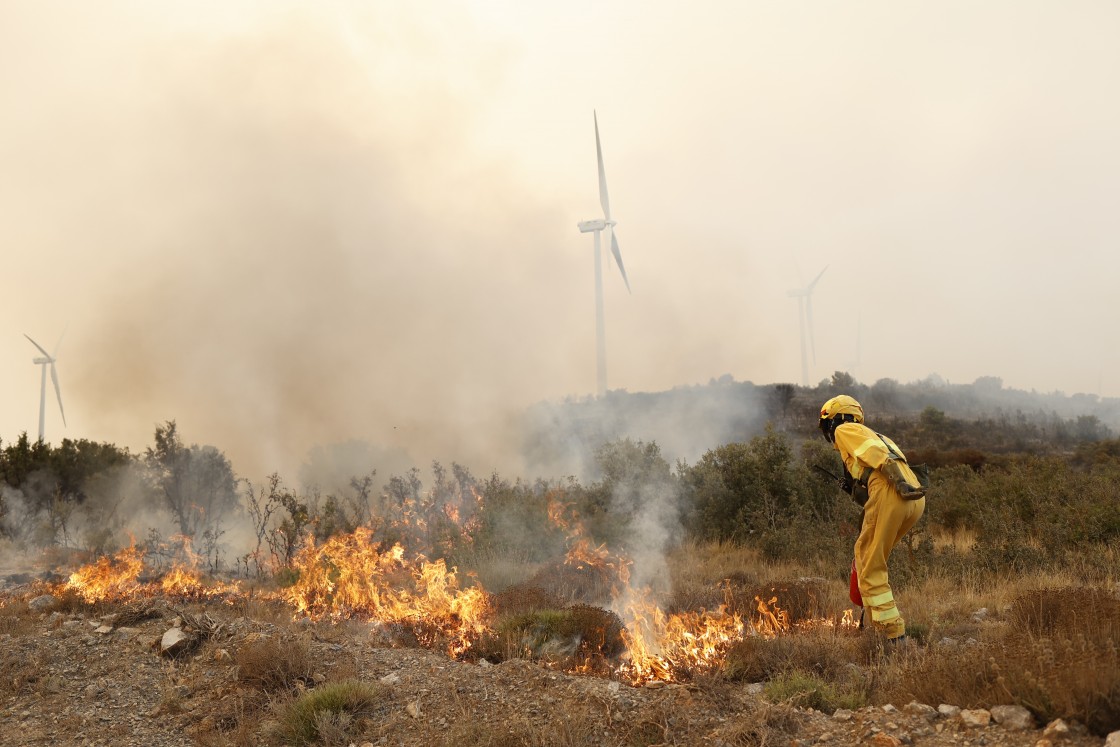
<point x="165" y="674"/>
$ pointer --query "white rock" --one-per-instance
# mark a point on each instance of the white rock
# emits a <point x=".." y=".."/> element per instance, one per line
<point x="977" y="717"/>
<point x="40" y="602"/>
<point x="1013" y="717"/>
<point x="174" y="641"/>
<point x="1056" y="729"/>
<point x="914" y="708"/>
<point x="948" y="711"/>
<point x="980" y="615"/>
<point x="390" y="679"/>
<point x="842" y="714"/>
<point x="1112" y="740"/>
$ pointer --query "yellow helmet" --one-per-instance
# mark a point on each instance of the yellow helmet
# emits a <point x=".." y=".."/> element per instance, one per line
<point x="839" y="409"/>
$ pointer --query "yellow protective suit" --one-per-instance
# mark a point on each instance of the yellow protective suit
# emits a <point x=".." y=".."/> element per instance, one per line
<point x="887" y="517"/>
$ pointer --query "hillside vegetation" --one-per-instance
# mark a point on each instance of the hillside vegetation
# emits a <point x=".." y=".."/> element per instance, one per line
<point x="1022" y="529"/>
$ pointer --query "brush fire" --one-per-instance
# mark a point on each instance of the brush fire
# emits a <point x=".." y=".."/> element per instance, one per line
<point x="623" y="632"/>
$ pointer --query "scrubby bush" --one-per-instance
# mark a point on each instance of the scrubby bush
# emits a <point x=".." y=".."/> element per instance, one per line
<point x="274" y="664"/>
<point x="763" y="493"/>
<point x="336" y="708"/>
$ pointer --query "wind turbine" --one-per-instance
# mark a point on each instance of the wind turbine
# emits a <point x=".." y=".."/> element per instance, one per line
<point x="804" y="298"/>
<point x="46" y="360"/>
<point x="597" y="227"/>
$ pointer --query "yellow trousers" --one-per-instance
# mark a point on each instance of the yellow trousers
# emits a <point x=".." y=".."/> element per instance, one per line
<point x="886" y="519"/>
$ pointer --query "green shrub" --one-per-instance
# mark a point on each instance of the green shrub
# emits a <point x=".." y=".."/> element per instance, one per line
<point x="335" y="704"/>
<point x="812" y="691"/>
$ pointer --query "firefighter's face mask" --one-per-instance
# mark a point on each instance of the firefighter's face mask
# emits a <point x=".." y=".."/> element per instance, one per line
<point x="828" y="426"/>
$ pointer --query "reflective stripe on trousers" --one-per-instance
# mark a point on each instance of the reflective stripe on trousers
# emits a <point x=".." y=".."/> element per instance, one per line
<point x="887" y="518"/>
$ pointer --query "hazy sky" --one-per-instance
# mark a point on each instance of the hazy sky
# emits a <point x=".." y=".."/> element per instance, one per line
<point x="290" y="223"/>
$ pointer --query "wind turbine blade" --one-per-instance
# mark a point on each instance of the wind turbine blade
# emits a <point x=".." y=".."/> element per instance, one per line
<point x="44" y="352"/>
<point x="809" y="287"/>
<point x="604" y="200"/>
<point x="58" y="392"/>
<point x="618" y="258"/>
<point x="58" y="344"/>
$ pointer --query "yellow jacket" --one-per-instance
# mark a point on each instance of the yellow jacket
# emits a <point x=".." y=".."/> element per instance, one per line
<point x="862" y="449"/>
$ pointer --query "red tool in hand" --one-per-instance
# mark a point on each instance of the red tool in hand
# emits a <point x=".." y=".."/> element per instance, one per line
<point x="853" y="587"/>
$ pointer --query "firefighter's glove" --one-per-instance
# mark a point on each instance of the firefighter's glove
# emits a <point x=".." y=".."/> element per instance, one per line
<point x="846" y="483"/>
<point x="894" y="473"/>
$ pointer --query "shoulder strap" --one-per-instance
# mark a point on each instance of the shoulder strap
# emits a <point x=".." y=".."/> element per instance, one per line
<point x="894" y="453"/>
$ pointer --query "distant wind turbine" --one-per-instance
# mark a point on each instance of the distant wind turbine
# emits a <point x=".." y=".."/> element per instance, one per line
<point x="804" y="298"/>
<point x="598" y="226"/>
<point x="46" y="360"/>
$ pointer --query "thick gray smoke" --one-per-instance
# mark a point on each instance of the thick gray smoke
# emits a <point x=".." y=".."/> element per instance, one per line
<point x="280" y="248"/>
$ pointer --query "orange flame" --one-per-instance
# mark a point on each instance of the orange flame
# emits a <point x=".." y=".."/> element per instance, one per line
<point x="117" y="579"/>
<point x="109" y="579"/>
<point x="663" y="647"/>
<point x="581" y="552"/>
<point x="347" y="576"/>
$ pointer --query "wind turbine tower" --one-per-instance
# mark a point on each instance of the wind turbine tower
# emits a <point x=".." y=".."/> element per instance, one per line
<point x="804" y="298"/>
<point x="47" y="360"/>
<point x="597" y="227"/>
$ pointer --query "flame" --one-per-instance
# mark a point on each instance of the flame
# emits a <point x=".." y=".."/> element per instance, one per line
<point x="347" y="576"/>
<point x="109" y="579"/>
<point x="664" y="647"/>
<point x="582" y="553"/>
<point x="186" y="582"/>
<point x="772" y="619"/>
<point x="117" y="579"/>
<point x="353" y="576"/>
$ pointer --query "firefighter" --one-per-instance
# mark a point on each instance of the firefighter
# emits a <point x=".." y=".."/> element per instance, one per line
<point x="878" y="477"/>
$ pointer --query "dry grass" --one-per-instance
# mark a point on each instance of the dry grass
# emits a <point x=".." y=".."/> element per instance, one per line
<point x="19" y="674"/>
<point x="960" y="539"/>
<point x="824" y="652"/>
<point x="765" y="725"/>
<point x="274" y="664"/>
<point x="1047" y="642"/>
<point x="16" y="619"/>
<point x="497" y="571"/>
<point x="704" y="565"/>
<point x="1056" y="655"/>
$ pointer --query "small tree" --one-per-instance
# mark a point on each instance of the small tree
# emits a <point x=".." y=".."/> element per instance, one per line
<point x="196" y="483"/>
